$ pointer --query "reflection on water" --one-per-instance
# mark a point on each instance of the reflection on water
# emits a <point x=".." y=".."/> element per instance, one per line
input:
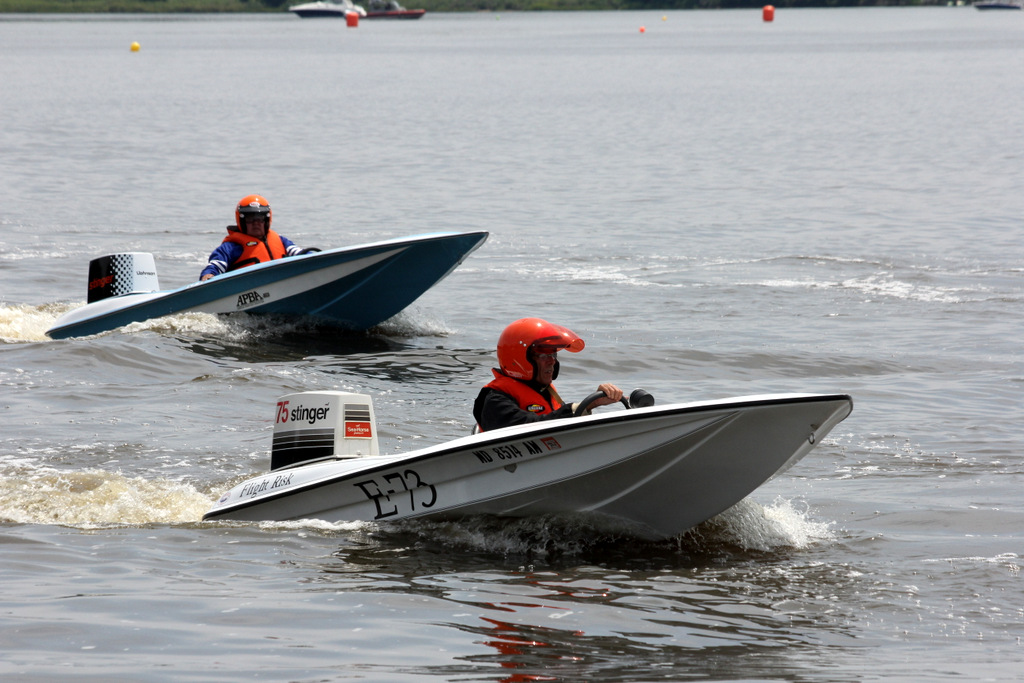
<point x="746" y="532"/>
<point x="358" y="356"/>
<point x="270" y="341"/>
<point x="420" y="368"/>
<point x="696" y="601"/>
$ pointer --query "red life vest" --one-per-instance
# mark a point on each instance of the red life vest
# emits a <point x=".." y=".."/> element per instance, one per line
<point x="256" y="250"/>
<point x="527" y="397"/>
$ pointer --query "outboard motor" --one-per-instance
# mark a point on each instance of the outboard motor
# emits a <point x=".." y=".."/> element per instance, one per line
<point x="119" y="274"/>
<point x="322" y="425"/>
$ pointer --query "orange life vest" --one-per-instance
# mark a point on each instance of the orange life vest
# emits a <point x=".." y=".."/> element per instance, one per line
<point x="255" y="250"/>
<point x="527" y="397"/>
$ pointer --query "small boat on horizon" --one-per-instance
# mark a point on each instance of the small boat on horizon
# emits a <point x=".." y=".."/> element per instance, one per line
<point x="390" y="9"/>
<point x="998" y="5"/>
<point x="321" y="9"/>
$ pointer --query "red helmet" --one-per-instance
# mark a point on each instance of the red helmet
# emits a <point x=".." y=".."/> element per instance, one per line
<point x="520" y="337"/>
<point x="250" y="205"/>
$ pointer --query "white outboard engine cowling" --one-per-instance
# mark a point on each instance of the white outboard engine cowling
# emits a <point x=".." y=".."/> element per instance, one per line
<point x="119" y="274"/>
<point x="321" y="425"/>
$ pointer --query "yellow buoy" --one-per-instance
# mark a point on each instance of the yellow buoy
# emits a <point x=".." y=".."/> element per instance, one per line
<point x="135" y="47"/>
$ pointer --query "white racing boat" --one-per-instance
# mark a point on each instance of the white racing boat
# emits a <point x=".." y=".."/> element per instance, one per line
<point x="656" y="471"/>
<point x="353" y="288"/>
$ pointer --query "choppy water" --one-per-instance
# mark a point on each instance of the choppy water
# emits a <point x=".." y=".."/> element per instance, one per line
<point x="719" y="206"/>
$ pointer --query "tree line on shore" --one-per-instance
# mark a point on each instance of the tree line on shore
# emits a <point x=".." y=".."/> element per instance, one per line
<point x="175" y="6"/>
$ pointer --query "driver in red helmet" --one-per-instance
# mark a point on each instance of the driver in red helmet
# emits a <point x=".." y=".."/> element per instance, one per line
<point x="521" y="391"/>
<point x="250" y="240"/>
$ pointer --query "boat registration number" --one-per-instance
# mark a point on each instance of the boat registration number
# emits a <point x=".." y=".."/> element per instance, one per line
<point x="397" y="492"/>
<point x="515" y="451"/>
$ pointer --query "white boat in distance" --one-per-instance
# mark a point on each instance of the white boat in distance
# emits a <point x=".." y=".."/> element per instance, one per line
<point x="652" y="471"/>
<point x="999" y="6"/>
<point x="320" y="9"/>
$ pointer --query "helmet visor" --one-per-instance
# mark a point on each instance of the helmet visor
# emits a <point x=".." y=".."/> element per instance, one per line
<point x="562" y="338"/>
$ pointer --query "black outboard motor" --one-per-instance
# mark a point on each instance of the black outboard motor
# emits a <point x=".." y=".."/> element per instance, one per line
<point x="119" y="274"/>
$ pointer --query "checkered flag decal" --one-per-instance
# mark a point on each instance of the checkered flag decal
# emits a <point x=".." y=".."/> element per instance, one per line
<point x="121" y="266"/>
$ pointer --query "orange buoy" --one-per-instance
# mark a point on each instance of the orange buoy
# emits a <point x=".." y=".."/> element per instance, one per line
<point x="643" y="29"/>
<point x="351" y="19"/>
<point x="768" y="13"/>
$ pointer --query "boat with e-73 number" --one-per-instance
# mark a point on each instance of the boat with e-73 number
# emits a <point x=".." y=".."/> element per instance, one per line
<point x="655" y="471"/>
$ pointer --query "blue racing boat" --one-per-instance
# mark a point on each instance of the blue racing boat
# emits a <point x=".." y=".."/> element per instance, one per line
<point x="353" y="288"/>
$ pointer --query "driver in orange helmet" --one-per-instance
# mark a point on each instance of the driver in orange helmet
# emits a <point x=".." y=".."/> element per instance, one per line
<point x="521" y="391"/>
<point x="250" y="240"/>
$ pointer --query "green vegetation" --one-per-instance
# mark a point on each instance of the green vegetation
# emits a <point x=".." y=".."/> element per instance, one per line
<point x="139" y="6"/>
<point x="173" y="6"/>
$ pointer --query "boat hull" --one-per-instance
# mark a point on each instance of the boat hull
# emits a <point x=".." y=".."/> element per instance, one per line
<point x="353" y="288"/>
<point x="321" y="13"/>
<point x="655" y="471"/>
<point x="396" y="14"/>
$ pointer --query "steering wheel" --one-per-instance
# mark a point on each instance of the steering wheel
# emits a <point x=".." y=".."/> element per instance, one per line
<point x="638" y="399"/>
<point x="308" y="250"/>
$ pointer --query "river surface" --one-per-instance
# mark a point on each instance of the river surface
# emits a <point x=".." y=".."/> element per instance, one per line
<point x="830" y="202"/>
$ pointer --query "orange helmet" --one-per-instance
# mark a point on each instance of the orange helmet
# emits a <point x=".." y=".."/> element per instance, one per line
<point x="252" y="204"/>
<point x="522" y="336"/>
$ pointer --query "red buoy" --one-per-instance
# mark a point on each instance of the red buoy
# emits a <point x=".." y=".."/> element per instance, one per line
<point x="351" y="19"/>
<point x="768" y="13"/>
